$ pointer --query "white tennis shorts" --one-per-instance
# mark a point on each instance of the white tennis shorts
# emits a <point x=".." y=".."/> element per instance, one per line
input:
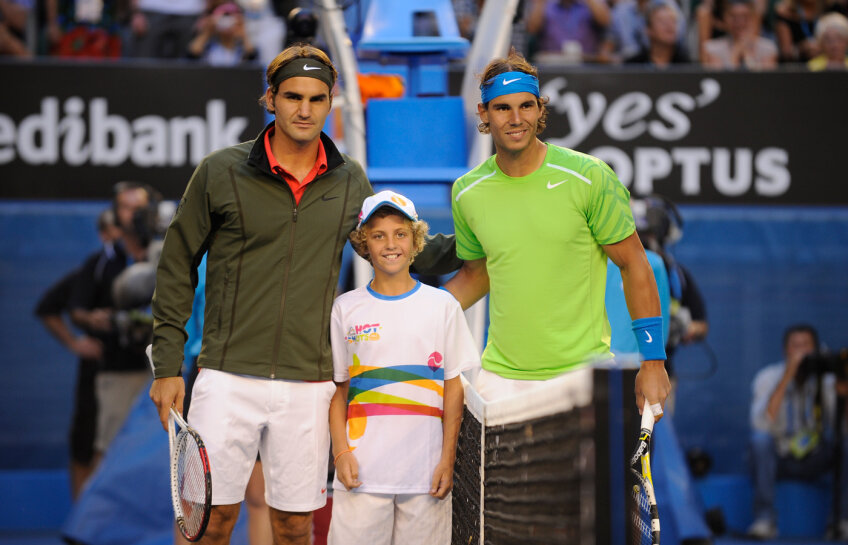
<point x="360" y="518"/>
<point x="285" y="421"/>
<point x="492" y="386"/>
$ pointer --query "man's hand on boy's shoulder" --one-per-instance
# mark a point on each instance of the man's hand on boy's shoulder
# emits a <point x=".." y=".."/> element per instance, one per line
<point x="442" y="479"/>
<point x="347" y="469"/>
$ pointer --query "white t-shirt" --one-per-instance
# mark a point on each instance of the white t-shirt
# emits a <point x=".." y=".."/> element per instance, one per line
<point x="397" y="351"/>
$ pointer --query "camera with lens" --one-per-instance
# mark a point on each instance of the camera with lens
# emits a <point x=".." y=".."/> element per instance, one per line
<point x="822" y="363"/>
<point x="132" y="292"/>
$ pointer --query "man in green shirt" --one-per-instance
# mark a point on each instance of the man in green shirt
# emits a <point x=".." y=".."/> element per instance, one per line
<point x="535" y="224"/>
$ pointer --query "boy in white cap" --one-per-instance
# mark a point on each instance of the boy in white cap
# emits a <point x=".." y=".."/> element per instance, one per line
<point x="398" y="349"/>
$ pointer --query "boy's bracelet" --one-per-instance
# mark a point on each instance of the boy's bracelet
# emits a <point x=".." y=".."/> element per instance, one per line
<point x="336" y="458"/>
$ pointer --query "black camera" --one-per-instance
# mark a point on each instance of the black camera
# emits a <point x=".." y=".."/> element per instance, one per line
<point x="827" y="362"/>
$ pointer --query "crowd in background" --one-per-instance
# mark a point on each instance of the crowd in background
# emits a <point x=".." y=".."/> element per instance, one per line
<point x="718" y="34"/>
<point x="217" y="32"/>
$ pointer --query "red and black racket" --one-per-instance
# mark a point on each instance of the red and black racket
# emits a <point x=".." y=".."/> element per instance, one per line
<point x="191" y="475"/>
<point x="191" y="478"/>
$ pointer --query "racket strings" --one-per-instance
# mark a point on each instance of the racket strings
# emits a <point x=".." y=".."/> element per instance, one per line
<point x="192" y="483"/>
<point x="641" y="517"/>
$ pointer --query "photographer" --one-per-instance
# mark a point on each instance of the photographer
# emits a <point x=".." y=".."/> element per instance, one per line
<point x="102" y="311"/>
<point x="793" y="421"/>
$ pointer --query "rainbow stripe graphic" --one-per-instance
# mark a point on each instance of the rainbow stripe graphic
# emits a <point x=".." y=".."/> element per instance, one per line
<point x="365" y="401"/>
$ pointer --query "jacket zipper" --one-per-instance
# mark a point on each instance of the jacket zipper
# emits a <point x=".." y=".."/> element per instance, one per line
<point x="282" y="314"/>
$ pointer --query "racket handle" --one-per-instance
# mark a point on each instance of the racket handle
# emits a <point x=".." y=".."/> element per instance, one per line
<point x="647" y="416"/>
<point x="178" y="418"/>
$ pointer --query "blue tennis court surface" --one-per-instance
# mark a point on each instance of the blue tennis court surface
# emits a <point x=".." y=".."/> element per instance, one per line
<point x="31" y="538"/>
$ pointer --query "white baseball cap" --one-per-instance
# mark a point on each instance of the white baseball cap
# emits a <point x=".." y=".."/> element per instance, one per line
<point x="386" y="198"/>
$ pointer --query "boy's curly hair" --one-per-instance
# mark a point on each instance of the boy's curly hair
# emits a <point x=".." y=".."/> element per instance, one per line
<point x="419" y="232"/>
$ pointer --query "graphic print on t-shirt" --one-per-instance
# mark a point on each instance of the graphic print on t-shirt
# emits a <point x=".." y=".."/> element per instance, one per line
<point x="364" y="400"/>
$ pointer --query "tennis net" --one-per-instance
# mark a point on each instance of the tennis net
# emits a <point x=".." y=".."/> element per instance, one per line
<point x="535" y="468"/>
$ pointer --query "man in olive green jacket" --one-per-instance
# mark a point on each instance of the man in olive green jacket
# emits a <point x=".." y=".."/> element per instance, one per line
<point x="274" y="215"/>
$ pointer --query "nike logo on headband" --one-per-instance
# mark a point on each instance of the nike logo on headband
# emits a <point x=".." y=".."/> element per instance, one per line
<point x="508" y="81"/>
<point x="307" y="67"/>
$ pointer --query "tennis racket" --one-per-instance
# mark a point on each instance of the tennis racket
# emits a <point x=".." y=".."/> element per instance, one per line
<point x="644" y="518"/>
<point x="191" y="476"/>
<point x="191" y="479"/>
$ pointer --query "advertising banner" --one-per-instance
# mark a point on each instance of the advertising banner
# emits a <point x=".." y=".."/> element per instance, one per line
<point x="71" y="130"/>
<point x="701" y="137"/>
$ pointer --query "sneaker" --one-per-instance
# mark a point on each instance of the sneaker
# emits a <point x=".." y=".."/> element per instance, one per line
<point x="763" y="529"/>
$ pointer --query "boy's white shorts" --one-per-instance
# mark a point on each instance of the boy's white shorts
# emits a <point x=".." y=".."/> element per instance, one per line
<point x="360" y="518"/>
<point x="285" y="421"/>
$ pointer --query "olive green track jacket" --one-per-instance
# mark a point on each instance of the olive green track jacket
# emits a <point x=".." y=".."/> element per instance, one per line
<point x="272" y="267"/>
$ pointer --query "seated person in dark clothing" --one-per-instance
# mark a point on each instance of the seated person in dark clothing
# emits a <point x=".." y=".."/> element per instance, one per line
<point x="795" y="417"/>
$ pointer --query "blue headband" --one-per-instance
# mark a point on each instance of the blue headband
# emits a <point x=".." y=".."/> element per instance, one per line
<point x="507" y="84"/>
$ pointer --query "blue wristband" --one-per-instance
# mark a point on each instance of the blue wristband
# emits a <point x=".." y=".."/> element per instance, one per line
<point x="649" y="336"/>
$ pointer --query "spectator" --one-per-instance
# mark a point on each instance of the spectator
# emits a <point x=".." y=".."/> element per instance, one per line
<point x="709" y="20"/>
<point x="123" y="371"/>
<point x="562" y="27"/>
<point x="742" y="47"/>
<point x="662" y="30"/>
<point x="164" y="28"/>
<point x="266" y="28"/>
<point x="222" y="39"/>
<point x="468" y="13"/>
<point x="795" y="27"/>
<point x="832" y="36"/>
<point x="793" y="417"/>
<point x="50" y="310"/>
<point x="13" y="20"/>
<point x="629" y="32"/>
<point x="85" y="28"/>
